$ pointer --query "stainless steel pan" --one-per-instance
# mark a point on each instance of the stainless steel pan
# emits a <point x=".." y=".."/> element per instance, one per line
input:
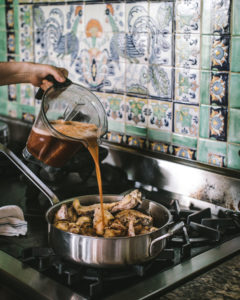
<point x="99" y="251"/>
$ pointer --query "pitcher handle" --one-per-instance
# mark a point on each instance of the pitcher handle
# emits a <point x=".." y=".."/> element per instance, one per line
<point x="30" y="175"/>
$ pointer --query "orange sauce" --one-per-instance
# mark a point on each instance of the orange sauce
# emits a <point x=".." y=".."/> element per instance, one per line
<point x="88" y="133"/>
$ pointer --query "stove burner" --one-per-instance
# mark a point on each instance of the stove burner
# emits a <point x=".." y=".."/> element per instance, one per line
<point x="71" y="274"/>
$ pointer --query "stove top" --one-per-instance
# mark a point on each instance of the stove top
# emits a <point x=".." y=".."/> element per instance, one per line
<point x="210" y="234"/>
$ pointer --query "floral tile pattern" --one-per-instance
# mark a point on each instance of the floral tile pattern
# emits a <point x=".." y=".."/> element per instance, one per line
<point x="219" y="89"/>
<point x="187" y="51"/>
<point x="187" y="85"/>
<point x="166" y="72"/>
<point x="186" y="120"/>
<point x="188" y="16"/>
<point x="218" y="123"/>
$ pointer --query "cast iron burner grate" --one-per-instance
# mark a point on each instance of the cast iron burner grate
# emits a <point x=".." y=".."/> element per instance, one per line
<point x="95" y="279"/>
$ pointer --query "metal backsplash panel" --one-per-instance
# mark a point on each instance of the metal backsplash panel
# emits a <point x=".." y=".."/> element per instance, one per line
<point x="167" y="72"/>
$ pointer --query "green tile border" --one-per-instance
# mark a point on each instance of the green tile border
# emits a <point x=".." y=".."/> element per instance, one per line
<point x="135" y="131"/>
<point x="205" y="87"/>
<point x="235" y="58"/>
<point x="233" y="156"/>
<point x="159" y="136"/>
<point x="2" y="17"/>
<point x="186" y="141"/>
<point x="206" y="43"/>
<point x="234" y="91"/>
<point x="3" y="93"/>
<point x="234" y="126"/>
<point x="208" y="146"/>
<point x="204" y="121"/>
<point x="236" y="17"/>
<point x="116" y="126"/>
<point x="206" y="17"/>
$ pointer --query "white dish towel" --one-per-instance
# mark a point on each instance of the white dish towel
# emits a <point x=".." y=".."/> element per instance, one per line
<point x="12" y="221"/>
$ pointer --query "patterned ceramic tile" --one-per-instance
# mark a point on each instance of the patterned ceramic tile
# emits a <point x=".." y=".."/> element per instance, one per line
<point x="161" y="17"/>
<point x="235" y="59"/>
<point x="233" y="157"/>
<point x="161" y="49"/>
<point x="218" y="123"/>
<point x="136" y="115"/>
<point x="13" y="109"/>
<point x="115" y="17"/>
<point x="159" y="121"/>
<point x="184" y="152"/>
<point x="27" y="95"/>
<point x="234" y="90"/>
<point x="186" y="119"/>
<point x="184" y="141"/>
<point x="159" y="147"/>
<point x="220" y="53"/>
<point x="187" y="15"/>
<point x="216" y="16"/>
<point x="160" y="82"/>
<point x="57" y="32"/>
<point x="234" y="126"/>
<point x="115" y="78"/>
<point x="187" y="50"/>
<point x="235" y="17"/>
<point x="136" y="142"/>
<point x="11" y="42"/>
<point x="9" y="18"/>
<point x="137" y="78"/>
<point x="12" y="92"/>
<point x="25" y="34"/>
<point x="27" y="113"/>
<point x="114" y="106"/>
<point x="160" y="115"/>
<point x="187" y="85"/>
<point x="2" y="17"/>
<point x="115" y="137"/>
<point x="212" y="152"/>
<point x="137" y="11"/>
<point x="219" y="89"/>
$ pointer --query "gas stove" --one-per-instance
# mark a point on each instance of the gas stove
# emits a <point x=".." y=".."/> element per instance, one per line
<point x="211" y="233"/>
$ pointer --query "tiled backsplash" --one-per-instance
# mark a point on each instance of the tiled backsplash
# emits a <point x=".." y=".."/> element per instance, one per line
<point x="167" y="72"/>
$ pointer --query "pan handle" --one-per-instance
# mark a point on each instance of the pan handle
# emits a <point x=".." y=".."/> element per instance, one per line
<point x="26" y="171"/>
<point x="170" y="232"/>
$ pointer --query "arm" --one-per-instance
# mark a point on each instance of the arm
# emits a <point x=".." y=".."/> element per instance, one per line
<point x="26" y="72"/>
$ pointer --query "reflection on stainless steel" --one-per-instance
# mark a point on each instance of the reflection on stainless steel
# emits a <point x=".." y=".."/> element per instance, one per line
<point x="109" y="252"/>
<point x="216" y="185"/>
<point x="26" y="171"/>
<point x="159" y="283"/>
<point x="31" y="282"/>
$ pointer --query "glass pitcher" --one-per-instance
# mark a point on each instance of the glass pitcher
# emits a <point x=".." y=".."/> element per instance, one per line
<point x="69" y="117"/>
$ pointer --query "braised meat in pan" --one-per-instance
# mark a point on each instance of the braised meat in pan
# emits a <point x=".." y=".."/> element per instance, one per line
<point x="121" y="218"/>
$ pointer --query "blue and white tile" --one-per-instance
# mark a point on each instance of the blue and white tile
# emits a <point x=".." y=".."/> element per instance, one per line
<point x="161" y="17"/>
<point x="188" y="16"/>
<point x="27" y="95"/>
<point x="186" y="119"/>
<point x="114" y="17"/>
<point x="137" y="17"/>
<point x="187" y="51"/>
<point x="57" y="32"/>
<point x="137" y="79"/>
<point x="26" y="44"/>
<point x="161" y="49"/>
<point x="187" y="86"/>
<point x="160" y="81"/>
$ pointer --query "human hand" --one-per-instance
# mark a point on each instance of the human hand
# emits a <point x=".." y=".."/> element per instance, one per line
<point x="40" y="71"/>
